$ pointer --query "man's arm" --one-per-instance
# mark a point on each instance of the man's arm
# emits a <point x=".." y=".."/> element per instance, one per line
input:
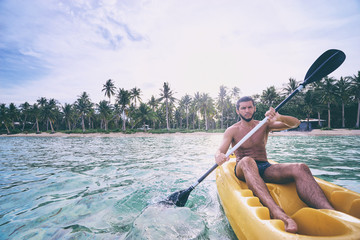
<point x="280" y="122"/>
<point x="220" y="155"/>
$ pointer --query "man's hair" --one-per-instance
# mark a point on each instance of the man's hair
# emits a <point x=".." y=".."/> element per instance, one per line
<point x="244" y="99"/>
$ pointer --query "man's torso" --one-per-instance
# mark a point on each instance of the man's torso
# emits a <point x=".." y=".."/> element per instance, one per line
<point x="255" y="146"/>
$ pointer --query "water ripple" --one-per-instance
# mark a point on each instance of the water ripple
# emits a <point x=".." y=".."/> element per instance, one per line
<point x="108" y="188"/>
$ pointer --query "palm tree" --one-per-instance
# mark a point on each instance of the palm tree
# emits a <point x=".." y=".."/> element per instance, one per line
<point x="123" y="99"/>
<point x="291" y="86"/>
<point x="117" y="114"/>
<point x="83" y="105"/>
<point x="49" y="112"/>
<point x="135" y="95"/>
<point x="342" y="88"/>
<point x="35" y="113"/>
<point x="153" y="103"/>
<point x="185" y="102"/>
<point x="229" y="112"/>
<point x="144" y="114"/>
<point x="4" y="117"/>
<point x="196" y="107"/>
<point x="308" y="105"/>
<point x="221" y="104"/>
<point x="178" y="116"/>
<point x="41" y="104"/>
<point x="193" y="113"/>
<point x="42" y="101"/>
<point x="105" y="113"/>
<point x="167" y="95"/>
<point x="172" y="111"/>
<point x="269" y="96"/>
<point x="235" y="93"/>
<point x="91" y="116"/>
<point x="25" y="108"/>
<point x="109" y="89"/>
<point x="328" y="95"/>
<point x="13" y="114"/>
<point x="318" y="105"/>
<point x="68" y="114"/>
<point x="355" y="89"/>
<point x="206" y="102"/>
<point x="131" y="115"/>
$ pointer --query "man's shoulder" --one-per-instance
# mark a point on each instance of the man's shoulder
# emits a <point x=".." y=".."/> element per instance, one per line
<point x="237" y="127"/>
<point x="233" y="127"/>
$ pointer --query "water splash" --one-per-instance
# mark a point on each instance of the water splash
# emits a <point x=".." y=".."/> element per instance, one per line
<point x="161" y="222"/>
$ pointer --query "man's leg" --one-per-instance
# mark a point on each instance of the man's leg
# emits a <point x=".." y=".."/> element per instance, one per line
<point x="308" y="189"/>
<point x="248" y="170"/>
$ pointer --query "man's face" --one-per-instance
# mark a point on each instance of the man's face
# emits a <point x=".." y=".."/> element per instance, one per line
<point x="246" y="110"/>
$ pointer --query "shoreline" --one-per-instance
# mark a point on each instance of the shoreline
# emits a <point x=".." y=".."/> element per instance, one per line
<point x="319" y="132"/>
<point x="315" y="132"/>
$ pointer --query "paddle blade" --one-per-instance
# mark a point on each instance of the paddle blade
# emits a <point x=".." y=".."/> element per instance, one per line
<point x="328" y="62"/>
<point x="178" y="198"/>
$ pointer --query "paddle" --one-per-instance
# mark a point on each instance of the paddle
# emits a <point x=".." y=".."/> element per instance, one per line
<point x="324" y="65"/>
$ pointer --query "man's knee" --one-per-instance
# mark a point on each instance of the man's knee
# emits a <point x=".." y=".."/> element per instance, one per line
<point x="247" y="162"/>
<point x="301" y="168"/>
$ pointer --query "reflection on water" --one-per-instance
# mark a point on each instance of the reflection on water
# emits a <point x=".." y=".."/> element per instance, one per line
<point x="107" y="188"/>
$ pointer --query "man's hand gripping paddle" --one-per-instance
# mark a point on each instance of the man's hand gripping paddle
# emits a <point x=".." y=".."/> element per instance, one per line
<point x="328" y="62"/>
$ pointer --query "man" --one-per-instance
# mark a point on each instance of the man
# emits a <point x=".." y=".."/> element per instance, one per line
<point x="253" y="167"/>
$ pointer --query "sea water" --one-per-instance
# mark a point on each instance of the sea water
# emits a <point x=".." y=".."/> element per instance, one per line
<point x="109" y="187"/>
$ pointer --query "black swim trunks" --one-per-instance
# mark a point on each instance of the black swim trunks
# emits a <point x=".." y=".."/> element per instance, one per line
<point x="262" y="166"/>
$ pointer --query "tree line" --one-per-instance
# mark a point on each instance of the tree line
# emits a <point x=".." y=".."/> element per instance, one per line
<point x="336" y="100"/>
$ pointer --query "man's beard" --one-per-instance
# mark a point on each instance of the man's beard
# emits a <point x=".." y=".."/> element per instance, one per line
<point x="246" y="119"/>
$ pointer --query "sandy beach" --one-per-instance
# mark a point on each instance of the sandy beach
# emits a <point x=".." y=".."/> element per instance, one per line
<point x="318" y="132"/>
<point x="315" y="132"/>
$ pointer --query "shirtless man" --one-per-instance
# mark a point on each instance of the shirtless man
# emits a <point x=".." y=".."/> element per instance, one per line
<point x="253" y="167"/>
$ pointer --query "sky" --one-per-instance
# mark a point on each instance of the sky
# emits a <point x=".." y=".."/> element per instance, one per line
<point x="59" y="49"/>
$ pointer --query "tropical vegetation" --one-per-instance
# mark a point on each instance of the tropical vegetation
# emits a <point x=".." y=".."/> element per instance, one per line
<point x="337" y="101"/>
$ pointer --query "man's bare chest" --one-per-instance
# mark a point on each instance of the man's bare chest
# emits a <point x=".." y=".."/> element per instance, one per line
<point x="258" y="139"/>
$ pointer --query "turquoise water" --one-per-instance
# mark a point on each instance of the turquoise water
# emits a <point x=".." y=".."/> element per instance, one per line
<point x="108" y="188"/>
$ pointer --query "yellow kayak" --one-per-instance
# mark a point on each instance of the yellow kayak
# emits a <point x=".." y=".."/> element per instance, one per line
<point x="251" y="220"/>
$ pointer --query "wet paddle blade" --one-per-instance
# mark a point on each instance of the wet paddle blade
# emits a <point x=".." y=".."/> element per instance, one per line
<point x="178" y="198"/>
<point x="328" y="62"/>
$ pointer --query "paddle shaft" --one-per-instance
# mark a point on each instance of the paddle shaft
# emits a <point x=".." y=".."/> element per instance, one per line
<point x="247" y="136"/>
